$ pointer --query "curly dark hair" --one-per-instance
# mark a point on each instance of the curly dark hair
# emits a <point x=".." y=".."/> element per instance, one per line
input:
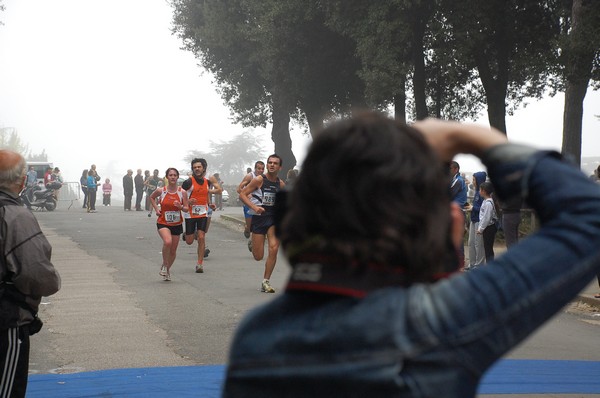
<point x="199" y="160"/>
<point x="372" y="191"/>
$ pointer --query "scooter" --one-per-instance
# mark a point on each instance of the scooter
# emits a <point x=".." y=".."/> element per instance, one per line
<point x="37" y="197"/>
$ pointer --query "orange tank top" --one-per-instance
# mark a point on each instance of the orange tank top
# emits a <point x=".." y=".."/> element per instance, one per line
<point x="200" y="193"/>
<point x="169" y="214"/>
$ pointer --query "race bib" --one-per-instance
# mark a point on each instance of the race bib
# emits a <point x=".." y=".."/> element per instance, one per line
<point x="199" y="210"/>
<point x="172" y="216"/>
<point x="268" y="199"/>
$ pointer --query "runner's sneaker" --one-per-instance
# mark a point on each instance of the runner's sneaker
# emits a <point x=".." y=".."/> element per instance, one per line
<point x="167" y="277"/>
<point x="199" y="269"/>
<point x="250" y="245"/>
<point x="163" y="271"/>
<point x="265" y="287"/>
<point x="206" y="252"/>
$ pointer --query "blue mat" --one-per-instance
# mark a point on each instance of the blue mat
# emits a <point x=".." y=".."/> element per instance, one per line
<point x="530" y="376"/>
<point x="167" y="382"/>
<point x="508" y="376"/>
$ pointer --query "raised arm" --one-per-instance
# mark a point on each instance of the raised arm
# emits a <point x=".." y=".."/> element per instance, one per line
<point x="449" y="139"/>
<point x="532" y="281"/>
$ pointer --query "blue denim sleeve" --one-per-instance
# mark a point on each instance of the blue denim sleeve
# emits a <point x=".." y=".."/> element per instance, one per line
<point x="480" y="315"/>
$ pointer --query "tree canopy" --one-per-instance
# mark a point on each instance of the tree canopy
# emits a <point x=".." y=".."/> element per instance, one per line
<point x="282" y="60"/>
<point x="579" y="65"/>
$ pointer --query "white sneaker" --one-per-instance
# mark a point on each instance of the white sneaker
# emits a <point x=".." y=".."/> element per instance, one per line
<point x="167" y="277"/>
<point x="163" y="271"/>
<point x="266" y="287"/>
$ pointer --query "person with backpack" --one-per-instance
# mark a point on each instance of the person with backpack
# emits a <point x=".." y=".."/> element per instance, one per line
<point x="26" y="274"/>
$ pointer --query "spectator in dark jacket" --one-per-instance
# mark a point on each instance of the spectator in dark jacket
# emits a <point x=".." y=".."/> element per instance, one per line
<point x="139" y="189"/>
<point x="26" y="275"/>
<point x="128" y="189"/>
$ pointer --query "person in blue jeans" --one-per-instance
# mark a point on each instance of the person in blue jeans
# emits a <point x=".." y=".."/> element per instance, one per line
<point x="374" y="305"/>
<point x="92" y="187"/>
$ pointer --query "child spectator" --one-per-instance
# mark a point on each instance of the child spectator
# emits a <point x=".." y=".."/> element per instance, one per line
<point x="106" y="191"/>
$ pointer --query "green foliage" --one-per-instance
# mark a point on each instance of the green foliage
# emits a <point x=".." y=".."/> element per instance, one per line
<point x="509" y="43"/>
<point x="578" y="49"/>
<point x="262" y="51"/>
<point x="216" y="32"/>
<point x="453" y="88"/>
<point x="382" y="36"/>
<point x="316" y="59"/>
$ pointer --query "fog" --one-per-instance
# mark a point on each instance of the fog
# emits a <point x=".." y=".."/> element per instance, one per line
<point x="106" y="83"/>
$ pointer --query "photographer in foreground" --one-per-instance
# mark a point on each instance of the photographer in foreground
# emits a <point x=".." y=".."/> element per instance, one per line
<point x="375" y="305"/>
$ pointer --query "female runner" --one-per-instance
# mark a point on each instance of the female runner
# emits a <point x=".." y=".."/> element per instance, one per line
<point x="169" y="223"/>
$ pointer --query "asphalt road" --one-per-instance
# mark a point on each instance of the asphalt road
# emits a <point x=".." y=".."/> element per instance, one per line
<point x="114" y="310"/>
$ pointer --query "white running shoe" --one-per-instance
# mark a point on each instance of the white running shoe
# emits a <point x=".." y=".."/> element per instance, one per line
<point x="266" y="287"/>
<point x="163" y="271"/>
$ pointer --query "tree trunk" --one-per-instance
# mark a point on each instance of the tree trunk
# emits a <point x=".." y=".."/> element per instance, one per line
<point x="496" y="110"/>
<point x="280" y="134"/>
<point x="400" y="101"/>
<point x="572" y="120"/>
<point x="419" y="73"/>
<point x="495" y="90"/>
<point x="400" y="107"/>
<point x="314" y="118"/>
<point x="578" y="66"/>
<point x="421" y="16"/>
<point x="439" y="89"/>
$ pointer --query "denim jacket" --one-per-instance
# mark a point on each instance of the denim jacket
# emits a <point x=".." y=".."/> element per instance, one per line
<point x="423" y="340"/>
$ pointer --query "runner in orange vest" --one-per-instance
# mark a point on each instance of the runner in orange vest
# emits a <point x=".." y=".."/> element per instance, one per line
<point x="173" y="200"/>
<point x="197" y="187"/>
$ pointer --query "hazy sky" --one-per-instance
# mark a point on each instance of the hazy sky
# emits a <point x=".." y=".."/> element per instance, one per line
<point x="105" y="82"/>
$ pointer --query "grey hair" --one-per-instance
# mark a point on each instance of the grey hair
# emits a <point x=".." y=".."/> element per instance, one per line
<point x="13" y="175"/>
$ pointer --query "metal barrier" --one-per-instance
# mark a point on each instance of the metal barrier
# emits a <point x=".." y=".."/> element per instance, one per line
<point x="529" y="221"/>
<point x="69" y="192"/>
